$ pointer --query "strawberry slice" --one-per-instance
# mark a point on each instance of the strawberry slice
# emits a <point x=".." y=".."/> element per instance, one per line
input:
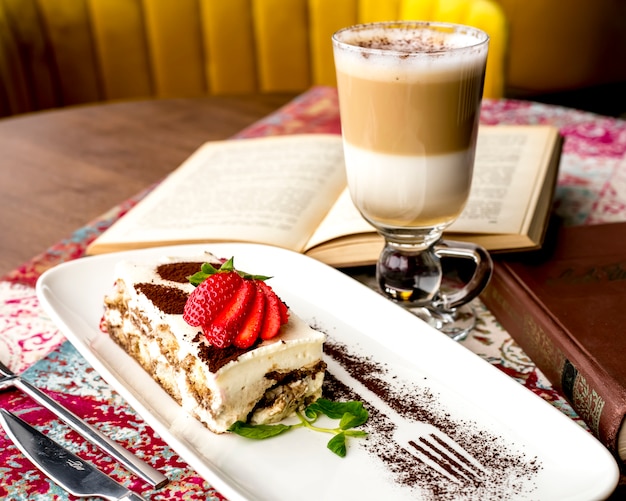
<point x="273" y="313"/>
<point x="284" y="311"/>
<point x="251" y="327"/>
<point x="210" y="297"/>
<point x="233" y="307"/>
<point x="224" y="328"/>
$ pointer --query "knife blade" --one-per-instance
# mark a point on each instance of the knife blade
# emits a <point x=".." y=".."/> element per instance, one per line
<point x="76" y="476"/>
<point x="124" y="456"/>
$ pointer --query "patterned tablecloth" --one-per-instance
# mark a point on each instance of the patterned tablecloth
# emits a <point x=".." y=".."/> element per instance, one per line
<point x="591" y="190"/>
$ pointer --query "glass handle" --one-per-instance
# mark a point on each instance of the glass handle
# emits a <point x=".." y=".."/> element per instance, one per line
<point x="478" y="281"/>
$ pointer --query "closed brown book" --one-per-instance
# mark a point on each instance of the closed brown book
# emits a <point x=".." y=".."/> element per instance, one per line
<point x="566" y="308"/>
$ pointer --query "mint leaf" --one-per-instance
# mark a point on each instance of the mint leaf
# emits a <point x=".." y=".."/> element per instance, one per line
<point x="259" y="431"/>
<point x="355" y="433"/>
<point x="349" y="420"/>
<point x="350" y="414"/>
<point x="337" y="444"/>
<point x="333" y="410"/>
<point x="336" y="410"/>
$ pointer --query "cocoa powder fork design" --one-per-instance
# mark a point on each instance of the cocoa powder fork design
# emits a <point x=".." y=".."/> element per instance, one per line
<point x="422" y="440"/>
<point x="93" y="435"/>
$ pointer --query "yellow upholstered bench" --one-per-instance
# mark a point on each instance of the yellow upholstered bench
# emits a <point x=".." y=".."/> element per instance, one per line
<point x="64" y="52"/>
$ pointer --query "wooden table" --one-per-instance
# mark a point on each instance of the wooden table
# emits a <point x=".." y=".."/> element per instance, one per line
<point x="60" y="169"/>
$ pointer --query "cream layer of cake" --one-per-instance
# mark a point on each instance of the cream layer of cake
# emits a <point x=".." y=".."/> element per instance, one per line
<point x="264" y="384"/>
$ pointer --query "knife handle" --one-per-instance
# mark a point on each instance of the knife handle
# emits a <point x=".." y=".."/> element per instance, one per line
<point x="93" y="435"/>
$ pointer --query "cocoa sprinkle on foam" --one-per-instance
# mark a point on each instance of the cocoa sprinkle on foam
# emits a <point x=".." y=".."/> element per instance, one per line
<point x="408" y="45"/>
<point x="508" y="472"/>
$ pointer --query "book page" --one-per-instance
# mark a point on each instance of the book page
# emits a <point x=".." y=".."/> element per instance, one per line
<point x="509" y="170"/>
<point x="510" y="167"/>
<point x="343" y="219"/>
<point x="268" y="190"/>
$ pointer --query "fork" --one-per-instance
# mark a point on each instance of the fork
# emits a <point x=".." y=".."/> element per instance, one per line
<point x="422" y="440"/>
<point x="8" y="379"/>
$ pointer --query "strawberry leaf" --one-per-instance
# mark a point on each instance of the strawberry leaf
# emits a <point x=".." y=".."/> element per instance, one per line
<point x="247" y="276"/>
<point x="207" y="269"/>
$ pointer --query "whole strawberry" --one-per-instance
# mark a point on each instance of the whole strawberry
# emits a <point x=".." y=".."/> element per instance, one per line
<point x="232" y="307"/>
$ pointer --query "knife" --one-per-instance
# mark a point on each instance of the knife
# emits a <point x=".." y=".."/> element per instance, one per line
<point x="76" y="476"/>
<point x="127" y="458"/>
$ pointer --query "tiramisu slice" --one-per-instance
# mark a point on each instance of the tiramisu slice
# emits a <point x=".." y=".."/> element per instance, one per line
<point x="247" y="359"/>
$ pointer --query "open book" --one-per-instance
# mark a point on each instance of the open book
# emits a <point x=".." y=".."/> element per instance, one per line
<point x="290" y="191"/>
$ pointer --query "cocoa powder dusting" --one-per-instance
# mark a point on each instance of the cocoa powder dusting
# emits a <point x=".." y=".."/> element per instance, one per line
<point x="508" y="472"/>
<point x="178" y="272"/>
<point x="169" y="300"/>
<point x="217" y="358"/>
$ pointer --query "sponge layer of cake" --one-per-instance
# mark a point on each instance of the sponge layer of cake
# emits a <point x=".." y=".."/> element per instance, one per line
<point x="143" y="314"/>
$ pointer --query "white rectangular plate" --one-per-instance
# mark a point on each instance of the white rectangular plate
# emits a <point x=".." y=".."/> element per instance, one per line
<point x="530" y="449"/>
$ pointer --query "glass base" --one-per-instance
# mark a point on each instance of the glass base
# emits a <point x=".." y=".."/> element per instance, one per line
<point x="455" y="324"/>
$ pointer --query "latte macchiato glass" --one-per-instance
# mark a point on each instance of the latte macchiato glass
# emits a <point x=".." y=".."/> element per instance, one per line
<point x="409" y="97"/>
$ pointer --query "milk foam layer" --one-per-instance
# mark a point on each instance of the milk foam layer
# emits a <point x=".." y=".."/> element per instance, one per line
<point x="416" y="49"/>
<point x="432" y="191"/>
